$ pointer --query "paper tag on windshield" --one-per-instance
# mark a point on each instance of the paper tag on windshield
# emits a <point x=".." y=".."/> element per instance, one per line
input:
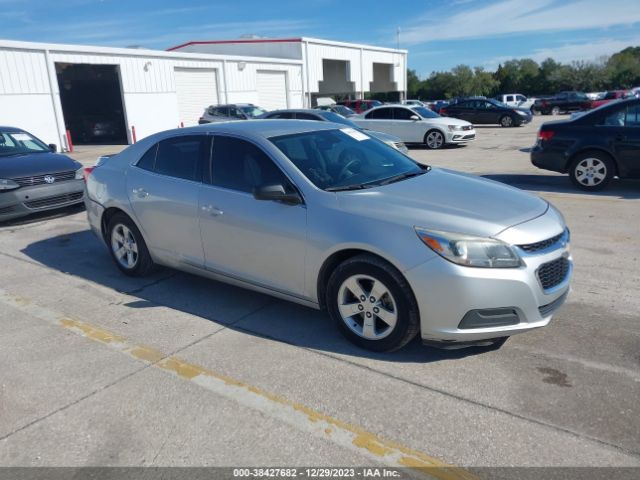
<point x="21" y="137"/>
<point x="355" y="134"/>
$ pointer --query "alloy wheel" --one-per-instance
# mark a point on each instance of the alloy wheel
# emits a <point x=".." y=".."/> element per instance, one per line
<point x="506" y="121"/>
<point x="124" y="246"/>
<point x="435" y="140"/>
<point x="367" y="307"/>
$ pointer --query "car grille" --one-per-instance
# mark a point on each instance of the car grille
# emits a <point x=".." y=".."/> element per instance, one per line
<point x="55" y="200"/>
<point x="553" y="273"/>
<point x="39" y="179"/>
<point x="469" y="137"/>
<point x="548" y="309"/>
<point x="544" y="244"/>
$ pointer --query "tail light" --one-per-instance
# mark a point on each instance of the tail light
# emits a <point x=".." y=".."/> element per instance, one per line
<point x="546" y="135"/>
<point x="443" y="111"/>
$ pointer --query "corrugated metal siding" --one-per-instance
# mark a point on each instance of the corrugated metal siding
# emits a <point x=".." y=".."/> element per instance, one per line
<point x="23" y="72"/>
<point x="318" y="52"/>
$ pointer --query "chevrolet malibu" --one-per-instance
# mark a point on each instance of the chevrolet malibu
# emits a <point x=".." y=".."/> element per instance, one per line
<point x="332" y="218"/>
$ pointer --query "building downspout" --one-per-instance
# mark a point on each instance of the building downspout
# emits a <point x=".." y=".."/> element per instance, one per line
<point x="62" y="136"/>
<point x="361" y="76"/>
<point x="224" y="80"/>
<point x="306" y="94"/>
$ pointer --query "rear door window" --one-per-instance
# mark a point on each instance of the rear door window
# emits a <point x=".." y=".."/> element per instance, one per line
<point x="306" y="116"/>
<point x="181" y="157"/>
<point x="402" y="114"/>
<point x="380" y="114"/>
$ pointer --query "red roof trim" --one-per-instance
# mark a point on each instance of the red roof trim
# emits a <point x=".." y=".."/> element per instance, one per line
<point x="241" y="40"/>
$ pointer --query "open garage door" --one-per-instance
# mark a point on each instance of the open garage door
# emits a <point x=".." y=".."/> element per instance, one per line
<point x="272" y="90"/>
<point x="335" y="81"/>
<point x="91" y="100"/>
<point x="196" y="89"/>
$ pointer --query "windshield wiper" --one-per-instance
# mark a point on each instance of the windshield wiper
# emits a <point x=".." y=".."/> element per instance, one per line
<point x="356" y="186"/>
<point x="402" y="176"/>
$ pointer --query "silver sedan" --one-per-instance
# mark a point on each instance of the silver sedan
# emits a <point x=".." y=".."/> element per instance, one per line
<point x="334" y="219"/>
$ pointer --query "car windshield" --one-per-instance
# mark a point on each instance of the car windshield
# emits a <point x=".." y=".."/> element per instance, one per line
<point x="376" y="103"/>
<point x="345" y="111"/>
<point x="253" y="111"/>
<point x="334" y="117"/>
<point x="425" y="112"/>
<point x="20" y="143"/>
<point x="346" y="159"/>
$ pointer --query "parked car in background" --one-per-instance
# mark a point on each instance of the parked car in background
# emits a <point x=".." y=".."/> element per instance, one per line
<point x="360" y="106"/>
<point x="438" y="105"/>
<point x="593" y="147"/>
<point x="563" y="102"/>
<point x="417" y="103"/>
<point x="610" y="96"/>
<point x="326" y="116"/>
<point x="417" y="125"/>
<point x="339" y="109"/>
<point x="332" y="219"/>
<point x="33" y="177"/>
<point x="234" y="111"/>
<point x="516" y="100"/>
<point x="488" y="111"/>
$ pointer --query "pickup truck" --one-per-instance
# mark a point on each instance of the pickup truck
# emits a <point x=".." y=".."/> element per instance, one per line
<point x="516" y="100"/>
<point x="563" y="102"/>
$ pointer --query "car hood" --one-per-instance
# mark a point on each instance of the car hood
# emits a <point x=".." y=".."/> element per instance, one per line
<point x="446" y="200"/>
<point x="445" y="121"/>
<point x="32" y="164"/>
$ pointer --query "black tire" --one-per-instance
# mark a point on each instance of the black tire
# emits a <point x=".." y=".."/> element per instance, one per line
<point x="535" y="111"/>
<point x="436" y="134"/>
<point x="507" y="121"/>
<point x="143" y="263"/>
<point x="599" y="164"/>
<point x="408" y="321"/>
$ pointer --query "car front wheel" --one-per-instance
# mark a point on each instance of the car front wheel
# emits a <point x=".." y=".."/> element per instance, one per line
<point x="127" y="247"/>
<point x="434" y="139"/>
<point x="592" y="171"/>
<point x="372" y="304"/>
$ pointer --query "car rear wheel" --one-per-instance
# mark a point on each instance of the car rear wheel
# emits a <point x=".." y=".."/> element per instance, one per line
<point x="507" y="121"/>
<point x="372" y="304"/>
<point x="127" y="247"/>
<point x="592" y="171"/>
<point x="434" y="139"/>
<point x="555" y="111"/>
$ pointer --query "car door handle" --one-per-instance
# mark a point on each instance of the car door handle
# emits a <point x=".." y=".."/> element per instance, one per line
<point x="140" y="192"/>
<point x="211" y="210"/>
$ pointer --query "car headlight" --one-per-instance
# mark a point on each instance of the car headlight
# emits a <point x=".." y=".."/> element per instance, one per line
<point x="520" y="112"/>
<point x="7" y="184"/>
<point x="470" y="251"/>
<point x="454" y="128"/>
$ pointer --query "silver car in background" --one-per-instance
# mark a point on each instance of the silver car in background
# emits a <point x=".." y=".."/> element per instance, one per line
<point x="329" y="217"/>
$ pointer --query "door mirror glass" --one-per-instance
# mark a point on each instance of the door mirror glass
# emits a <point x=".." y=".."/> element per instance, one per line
<point x="53" y="147"/>
<point x="276" y="192"/>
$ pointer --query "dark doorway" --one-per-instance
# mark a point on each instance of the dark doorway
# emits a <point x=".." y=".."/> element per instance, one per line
<point x="91" y="100"/>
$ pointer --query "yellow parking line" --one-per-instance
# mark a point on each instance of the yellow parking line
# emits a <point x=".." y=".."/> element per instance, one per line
<point x="292" y="413"/>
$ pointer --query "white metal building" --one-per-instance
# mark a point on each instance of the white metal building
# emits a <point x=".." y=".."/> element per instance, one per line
<point x="329" y="68"/>
<point x="49" y="89"/>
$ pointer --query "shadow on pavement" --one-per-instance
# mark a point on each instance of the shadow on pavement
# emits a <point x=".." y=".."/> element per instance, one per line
<point x="81" y="254"/>
<point x="624" y="189"/>
<point x="42" y="216"/>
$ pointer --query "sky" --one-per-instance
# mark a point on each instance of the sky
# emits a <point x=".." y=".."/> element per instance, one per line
<point x="438" y="34"/>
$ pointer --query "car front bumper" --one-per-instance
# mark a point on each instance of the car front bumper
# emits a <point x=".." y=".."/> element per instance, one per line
<point x="465" y="305"/>
<point x="26" y="200"/>
<point x="461" y="136"/>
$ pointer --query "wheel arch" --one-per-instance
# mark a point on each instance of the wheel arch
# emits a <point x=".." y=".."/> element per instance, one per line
<point x="336" y="258"/>
<point x="586" y="150"/>
<point x="108" y="214"/>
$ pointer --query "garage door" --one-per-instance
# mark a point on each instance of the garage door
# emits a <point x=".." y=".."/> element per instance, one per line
<point x="196" y="89"/>
<point x="272" y="90"/>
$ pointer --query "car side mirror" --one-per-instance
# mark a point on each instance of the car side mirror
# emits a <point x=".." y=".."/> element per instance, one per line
<point x="278" y="193"/>
<point x="53" y="147"/>
<point x="415" y="118"/>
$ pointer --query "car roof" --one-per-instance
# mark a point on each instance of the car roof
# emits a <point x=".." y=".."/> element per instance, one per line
<point x="10" y="129"/>
<point x="262" y="128"/>
<point x="296" y="110"/>
<point x="233" y="105"/>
